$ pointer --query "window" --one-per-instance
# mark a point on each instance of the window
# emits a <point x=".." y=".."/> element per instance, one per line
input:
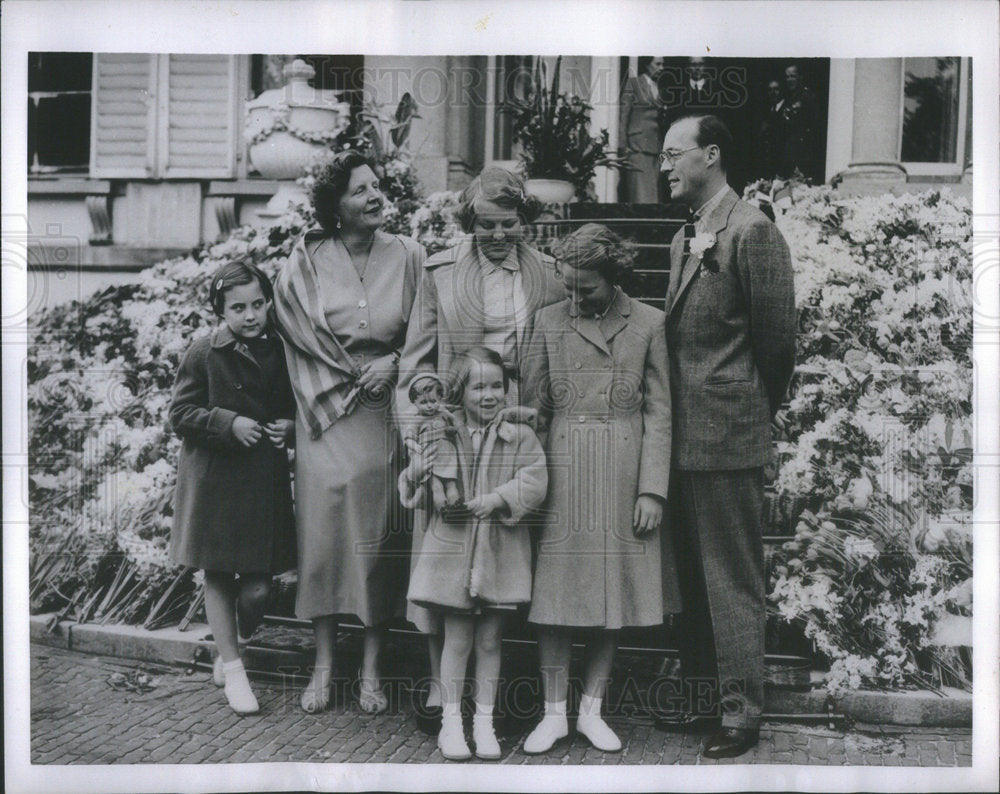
<point x="59" y="94"/>
<point x="936" y="111"/>
<point x="164" y="116"/>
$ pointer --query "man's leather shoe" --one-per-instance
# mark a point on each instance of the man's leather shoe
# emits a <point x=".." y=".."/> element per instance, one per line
<point x="730" y="742"/>
<point x="686" y="722"/>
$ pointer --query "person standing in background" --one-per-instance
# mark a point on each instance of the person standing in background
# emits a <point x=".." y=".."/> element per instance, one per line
<point x="770" y="143"/>
<point x="798" y="127"/>
<point x="640" y="129"/>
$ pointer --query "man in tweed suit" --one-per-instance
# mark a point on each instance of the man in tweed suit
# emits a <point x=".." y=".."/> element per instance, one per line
<point x="731" y="344"/>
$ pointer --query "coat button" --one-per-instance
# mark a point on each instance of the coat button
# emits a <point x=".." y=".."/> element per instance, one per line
<point x="577" y="365"/>
<point x="583" y="419"/>
<point x="363" y="324"/>
<point x="362" y="304"/>
<point x="237" y="386"/>
<point x="582" y="394"/>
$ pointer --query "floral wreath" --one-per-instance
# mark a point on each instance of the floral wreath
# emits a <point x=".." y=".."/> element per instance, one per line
<point x="279" y="121"/>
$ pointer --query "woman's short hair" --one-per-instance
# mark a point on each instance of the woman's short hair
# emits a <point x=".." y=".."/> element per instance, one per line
<point x="595" y="247"/>
<point x="232" y="275"/>
<point x="458" y="375"/>
<point x="331" y="185"/>
<point x="504" y="188"/>
<point x="642" y="63"/>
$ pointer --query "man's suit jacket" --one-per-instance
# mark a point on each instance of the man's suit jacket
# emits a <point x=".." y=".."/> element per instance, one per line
<point x="731" y="339"/>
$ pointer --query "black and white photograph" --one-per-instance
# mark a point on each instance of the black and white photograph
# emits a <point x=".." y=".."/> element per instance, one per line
<point x="428" y="395"/>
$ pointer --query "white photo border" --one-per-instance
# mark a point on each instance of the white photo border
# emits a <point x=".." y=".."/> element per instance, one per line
<point x="590" y="27"/>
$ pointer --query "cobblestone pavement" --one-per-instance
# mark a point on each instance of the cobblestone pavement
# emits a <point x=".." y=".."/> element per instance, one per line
<point x="83" y="713"/>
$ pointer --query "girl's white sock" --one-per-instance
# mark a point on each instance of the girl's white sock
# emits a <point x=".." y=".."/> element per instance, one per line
<point x="552" y="728"/>
<point x="591" y="725"/>
<point x="590" y="706"/>
<point x="483" y="710"/>
<point x="238" y="693"/>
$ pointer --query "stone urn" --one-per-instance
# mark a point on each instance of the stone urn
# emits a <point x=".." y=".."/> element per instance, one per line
<point x="288" y="128"/>
<point x="550" y="191"/>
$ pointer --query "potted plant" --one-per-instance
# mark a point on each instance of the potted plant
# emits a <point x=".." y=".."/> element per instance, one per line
<point x="559" y="155"/>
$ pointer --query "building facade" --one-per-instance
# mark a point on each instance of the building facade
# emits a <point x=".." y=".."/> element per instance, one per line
<point x="134" y="158"/>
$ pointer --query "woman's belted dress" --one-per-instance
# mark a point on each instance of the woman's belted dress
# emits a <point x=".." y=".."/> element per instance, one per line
<point x="353" y="537"/>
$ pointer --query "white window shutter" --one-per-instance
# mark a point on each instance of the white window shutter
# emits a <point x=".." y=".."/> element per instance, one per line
<point x="198" y="125"/>
<point x="123" y="121"/>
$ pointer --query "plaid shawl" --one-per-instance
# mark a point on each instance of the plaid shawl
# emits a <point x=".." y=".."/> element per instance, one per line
<point x="323" y="373"/>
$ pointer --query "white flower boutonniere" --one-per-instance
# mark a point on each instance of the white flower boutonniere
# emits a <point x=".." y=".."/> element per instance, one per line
<point x="700" y="245"/>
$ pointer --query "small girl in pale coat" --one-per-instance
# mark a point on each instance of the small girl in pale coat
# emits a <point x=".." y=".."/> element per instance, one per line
<point x="476" y="571"/>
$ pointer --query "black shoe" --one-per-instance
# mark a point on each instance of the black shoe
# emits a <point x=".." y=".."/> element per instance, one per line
<point x="686" y="722"/>
<point x="429" y="719"/>
<point x="730" y="742"/>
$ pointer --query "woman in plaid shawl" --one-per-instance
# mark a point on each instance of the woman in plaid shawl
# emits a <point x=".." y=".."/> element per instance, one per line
<point x="343" y="302"/>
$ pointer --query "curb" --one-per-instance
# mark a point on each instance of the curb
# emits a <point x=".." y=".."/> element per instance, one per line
<point x="169" y="646"/>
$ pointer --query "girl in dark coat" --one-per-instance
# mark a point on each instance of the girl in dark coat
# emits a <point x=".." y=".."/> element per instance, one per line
<point x="233" y="406"/>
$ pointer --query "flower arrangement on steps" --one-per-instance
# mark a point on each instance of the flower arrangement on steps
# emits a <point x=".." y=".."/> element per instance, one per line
<point x="553" y="130"/>
<point x="876" y="439"/>
<point x="874" y="445"/>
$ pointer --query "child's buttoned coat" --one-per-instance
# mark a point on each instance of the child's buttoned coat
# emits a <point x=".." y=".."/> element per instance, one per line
<point x="602" y="389"/>
<point x="462" y="566"/>
<point x="232" y="504"/>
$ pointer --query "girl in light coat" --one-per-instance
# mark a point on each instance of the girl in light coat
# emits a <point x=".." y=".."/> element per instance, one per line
<point x="475" y="568"/>
<point x="597" y="371"/>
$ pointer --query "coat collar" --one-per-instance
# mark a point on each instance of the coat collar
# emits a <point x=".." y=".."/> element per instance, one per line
<point x="718" y="218"/>
<point x="601" y="332"/>
<point x="224" y="337"/>
<point x="460" y="289"/>
<point x="501" y="426"/>
<point x="716" y="221"/>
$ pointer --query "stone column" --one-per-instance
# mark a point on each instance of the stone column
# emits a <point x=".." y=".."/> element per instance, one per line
<point x="875" y="162"/>
<point x="605" y="81"/>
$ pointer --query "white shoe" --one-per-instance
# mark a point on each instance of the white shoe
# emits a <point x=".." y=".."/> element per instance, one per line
<point x="487" y="746"/>
<point x="451" y="742"/>
<point x="237" y="688"/>
<point x="596" y="731"/>
<point x="218" y="674"/>
<point x="550" y="730"/>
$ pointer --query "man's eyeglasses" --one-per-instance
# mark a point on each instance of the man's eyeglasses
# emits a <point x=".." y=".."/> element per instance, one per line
<point x="673" y="155"/>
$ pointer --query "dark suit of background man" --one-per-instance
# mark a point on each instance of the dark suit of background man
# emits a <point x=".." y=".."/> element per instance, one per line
<point x="770" y="141"/>
<point x="798" y="128"/>
<point x="691" y="89"/>
<point x="731" y="340"/>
